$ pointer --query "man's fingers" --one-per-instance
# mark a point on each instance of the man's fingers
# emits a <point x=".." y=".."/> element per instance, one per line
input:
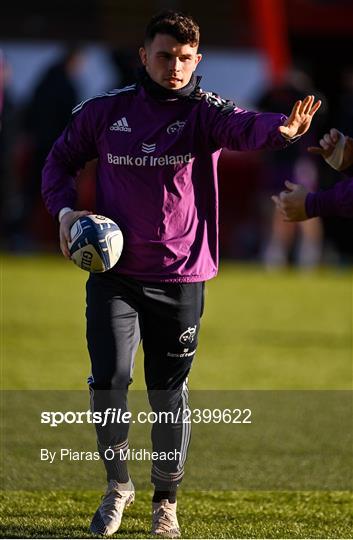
<point x="64" y="239"/>
<point x="296" y="108"/>
<point x="307" y="107"/>
<point x="315" y="108"/>
<point x="64" y="248"/>
<point x="66" y="235"/>
<point x="303" y="105"/>
<point x="67" y="221"/>
<point x="315" y="150"/>
<point x="293" y="113"/>
<point x="65" y="252"/>
<point x="300" y="118"/>
<point x="307" y="104"/>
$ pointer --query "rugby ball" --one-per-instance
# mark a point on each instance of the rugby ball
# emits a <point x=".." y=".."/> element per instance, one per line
<point x="95" y="243"/>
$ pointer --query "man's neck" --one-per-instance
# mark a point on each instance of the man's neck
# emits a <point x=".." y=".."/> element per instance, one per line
<point x="159" y="92"/>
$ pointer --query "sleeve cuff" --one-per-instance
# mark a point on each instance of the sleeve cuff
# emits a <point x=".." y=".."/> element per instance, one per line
<point x="290" y="140"/>
<point x="321" y="204"/>
<point x="62" y="212"/>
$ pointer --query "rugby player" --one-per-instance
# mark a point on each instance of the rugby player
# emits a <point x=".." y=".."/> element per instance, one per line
<point x="157" y="143"/>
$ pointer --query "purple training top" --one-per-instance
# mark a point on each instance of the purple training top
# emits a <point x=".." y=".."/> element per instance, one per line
<point x="156" y="173"/>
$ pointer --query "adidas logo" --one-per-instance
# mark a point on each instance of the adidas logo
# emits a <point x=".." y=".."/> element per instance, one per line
<point x="120" y="125"/>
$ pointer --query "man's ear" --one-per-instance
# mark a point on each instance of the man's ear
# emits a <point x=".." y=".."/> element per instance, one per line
<point x="198" y="59"/>
<point x="143" y="55"/>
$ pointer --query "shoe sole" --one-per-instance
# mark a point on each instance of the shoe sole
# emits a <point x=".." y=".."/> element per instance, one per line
<point x="166" y="535"/>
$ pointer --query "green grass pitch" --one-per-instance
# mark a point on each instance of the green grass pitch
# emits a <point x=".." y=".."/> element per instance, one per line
<point x="260" y="331"/>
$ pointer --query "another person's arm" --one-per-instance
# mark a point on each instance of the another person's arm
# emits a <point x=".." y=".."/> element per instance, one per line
<point x="298" y="204"/>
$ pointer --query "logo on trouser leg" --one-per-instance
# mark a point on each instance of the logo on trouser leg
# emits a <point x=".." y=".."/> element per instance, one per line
<point x="188" y="336"/>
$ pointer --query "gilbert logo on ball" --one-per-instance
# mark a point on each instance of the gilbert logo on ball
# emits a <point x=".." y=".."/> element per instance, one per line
<point x="96" y="243"/>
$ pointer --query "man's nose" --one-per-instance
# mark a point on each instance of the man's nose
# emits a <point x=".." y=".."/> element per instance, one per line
<point x="175" y="64"/>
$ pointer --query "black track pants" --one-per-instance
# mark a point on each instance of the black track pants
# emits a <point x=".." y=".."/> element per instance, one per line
<point x="166" y="317"/>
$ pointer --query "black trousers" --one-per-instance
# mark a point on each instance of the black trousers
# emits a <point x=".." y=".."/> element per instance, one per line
<point x="120" y="312"/>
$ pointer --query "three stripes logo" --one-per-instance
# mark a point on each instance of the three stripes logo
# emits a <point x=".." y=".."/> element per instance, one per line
<point x="120" y="125"/>
<point x="148" y="148"/>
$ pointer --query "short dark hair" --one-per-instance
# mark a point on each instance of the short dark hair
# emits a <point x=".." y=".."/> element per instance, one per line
<point x="179" y="25"/>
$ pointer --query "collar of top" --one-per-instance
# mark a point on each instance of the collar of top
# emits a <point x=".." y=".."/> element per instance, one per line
<point x="159" y="92"/>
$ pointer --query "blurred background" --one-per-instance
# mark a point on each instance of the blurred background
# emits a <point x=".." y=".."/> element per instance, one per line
<point x="263" y="54"/>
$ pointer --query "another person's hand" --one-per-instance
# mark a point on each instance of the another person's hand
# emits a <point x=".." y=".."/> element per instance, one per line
<point x="335" y="149"/>
<point x="291" y="203"/>
<point x="67" y="220"/>
<point x="300" y="118"/>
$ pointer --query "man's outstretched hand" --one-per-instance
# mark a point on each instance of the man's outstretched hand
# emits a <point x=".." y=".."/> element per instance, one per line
<point x="300" y="118"/>
<point x="65" y="225"/>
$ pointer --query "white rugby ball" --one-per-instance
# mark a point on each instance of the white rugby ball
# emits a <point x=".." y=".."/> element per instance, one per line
<point x="96" y="243"/>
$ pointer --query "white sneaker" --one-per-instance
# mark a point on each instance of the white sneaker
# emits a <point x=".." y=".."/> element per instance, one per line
<point x="107" y="519"/>
<point x="164" y="519"/>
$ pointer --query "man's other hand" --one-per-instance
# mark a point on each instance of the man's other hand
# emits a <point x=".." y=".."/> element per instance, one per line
<point x="67" y="220"/>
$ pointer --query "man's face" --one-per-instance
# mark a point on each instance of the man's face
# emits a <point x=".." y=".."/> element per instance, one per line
<point x="168" y="62"/>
